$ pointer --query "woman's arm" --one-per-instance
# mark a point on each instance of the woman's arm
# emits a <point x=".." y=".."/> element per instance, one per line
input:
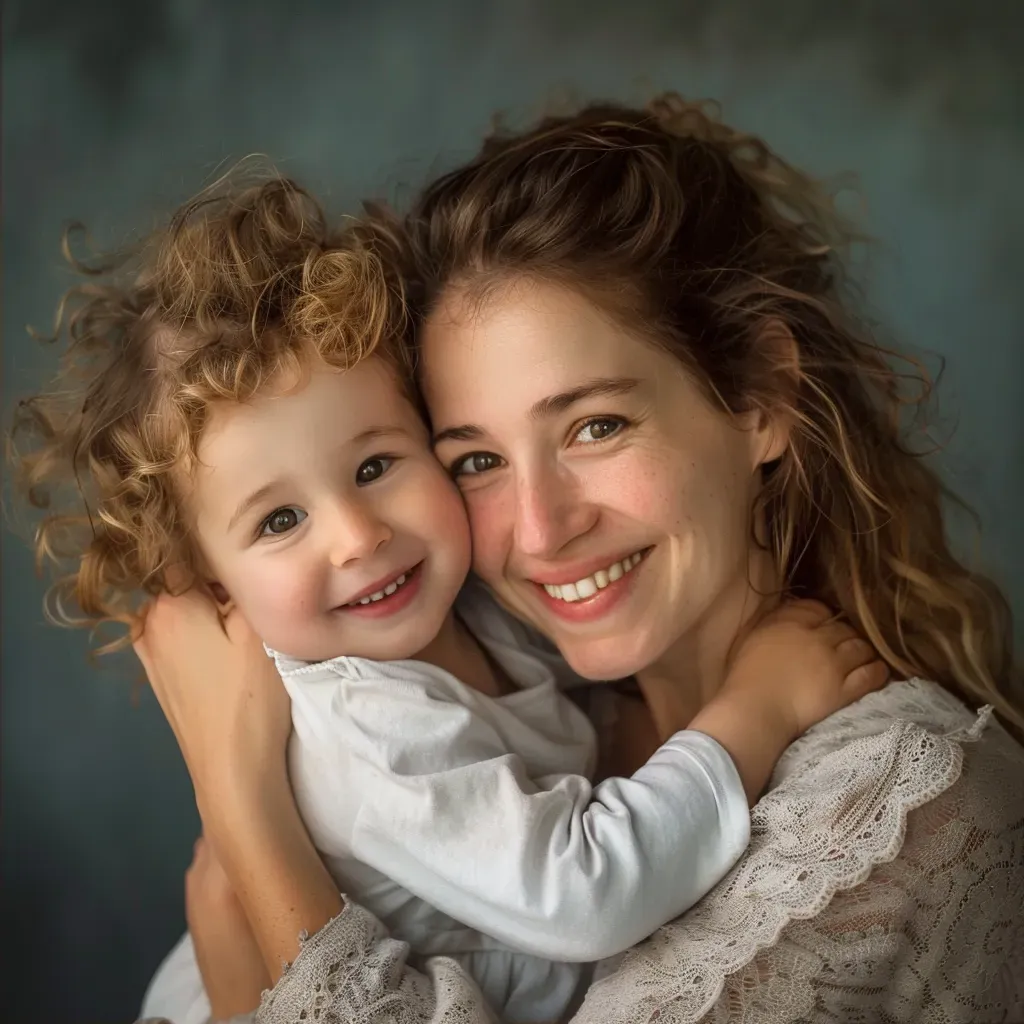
<point x="233" y="736"/>
<point x="226" y="951"/>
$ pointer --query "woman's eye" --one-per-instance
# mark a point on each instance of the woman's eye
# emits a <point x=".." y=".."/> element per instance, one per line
<point x="475" y="463"/>
<point x="281" y="521"/>
<point x="373" y="469"/>
<point x="598" y="430"/>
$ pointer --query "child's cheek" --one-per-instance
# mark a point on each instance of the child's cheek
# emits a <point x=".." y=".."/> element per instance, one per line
<point x="277" y="596"/>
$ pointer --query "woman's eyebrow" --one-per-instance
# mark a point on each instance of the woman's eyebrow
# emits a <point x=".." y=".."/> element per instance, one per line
<point x="551" y="405"/>
<point x="599" y="387"/>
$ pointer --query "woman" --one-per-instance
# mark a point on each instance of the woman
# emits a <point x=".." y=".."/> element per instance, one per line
<point x="634" y="337"/>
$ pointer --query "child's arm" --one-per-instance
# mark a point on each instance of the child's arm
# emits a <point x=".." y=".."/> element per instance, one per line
<point x="796" y="668"/>
<point x="553" y="866"/>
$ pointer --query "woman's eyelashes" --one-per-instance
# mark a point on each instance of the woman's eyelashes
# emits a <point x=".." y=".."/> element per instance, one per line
<point x="474" y="464"/>
<point x="590" y="432"/>
<point x="598" y="428"/>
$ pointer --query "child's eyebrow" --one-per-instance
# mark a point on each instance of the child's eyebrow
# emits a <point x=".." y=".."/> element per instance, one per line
<point x="374" y="433"/>
<point x="247" y="503"/>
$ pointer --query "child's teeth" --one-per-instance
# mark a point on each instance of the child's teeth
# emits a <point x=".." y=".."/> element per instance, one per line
<point x="381" y="594"/>
<point x="590" y="585"/>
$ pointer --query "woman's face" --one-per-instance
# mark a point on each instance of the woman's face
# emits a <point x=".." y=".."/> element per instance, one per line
<point x="610" y="502"/>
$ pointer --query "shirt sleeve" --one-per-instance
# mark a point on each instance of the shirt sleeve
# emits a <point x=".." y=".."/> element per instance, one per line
<point x="553" y="866"/>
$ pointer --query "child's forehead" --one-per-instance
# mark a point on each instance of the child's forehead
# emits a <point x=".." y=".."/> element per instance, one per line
<point x="319" y="404"/>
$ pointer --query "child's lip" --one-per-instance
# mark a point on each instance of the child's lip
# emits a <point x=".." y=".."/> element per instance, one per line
<point x="380" y="584"/>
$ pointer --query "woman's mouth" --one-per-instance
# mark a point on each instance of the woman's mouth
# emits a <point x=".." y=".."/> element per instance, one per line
<point x="590" y="585"/>
<point x="593" y="595"/>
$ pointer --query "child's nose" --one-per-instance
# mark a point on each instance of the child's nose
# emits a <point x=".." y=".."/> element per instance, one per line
<point x="357" y="535"/>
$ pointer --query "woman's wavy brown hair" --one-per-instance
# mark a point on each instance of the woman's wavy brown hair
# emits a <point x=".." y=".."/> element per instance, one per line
<point x="247" y="283"/>
<point x="702" y="238"/>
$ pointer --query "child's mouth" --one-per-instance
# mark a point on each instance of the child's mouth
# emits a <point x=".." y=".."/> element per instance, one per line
<point x="391" y="597"/>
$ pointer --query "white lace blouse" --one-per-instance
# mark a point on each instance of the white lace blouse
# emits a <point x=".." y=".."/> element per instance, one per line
<point x="884" y="882"/>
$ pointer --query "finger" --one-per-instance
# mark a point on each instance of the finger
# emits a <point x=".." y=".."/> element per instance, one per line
<point x="237" y="627"/>
<point x="854" y="653"/>
<point x="866" y="679"/>
<point x="805" y="612"/>
<point x="178" y="578"/>
<point x="836" y="633"/>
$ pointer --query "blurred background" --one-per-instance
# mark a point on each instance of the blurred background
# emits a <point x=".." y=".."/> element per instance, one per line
<point x="115" y="111"/>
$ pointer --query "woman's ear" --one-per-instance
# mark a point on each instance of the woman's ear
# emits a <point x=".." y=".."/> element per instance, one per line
<point x="779" y="356"/>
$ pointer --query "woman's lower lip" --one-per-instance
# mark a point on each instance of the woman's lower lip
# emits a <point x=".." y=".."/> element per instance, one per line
<point x="393" y="603"/>
<point x="597" y="606"/>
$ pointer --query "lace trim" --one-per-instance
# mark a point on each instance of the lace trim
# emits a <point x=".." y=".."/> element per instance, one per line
<point x="823" y="831"/>
<point x="352" y="971"/>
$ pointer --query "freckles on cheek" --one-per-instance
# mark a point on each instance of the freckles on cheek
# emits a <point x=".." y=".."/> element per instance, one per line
<point x="645" y="490"/>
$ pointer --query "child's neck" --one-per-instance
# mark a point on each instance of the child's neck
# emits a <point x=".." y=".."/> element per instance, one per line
<point x="457" y="651"/>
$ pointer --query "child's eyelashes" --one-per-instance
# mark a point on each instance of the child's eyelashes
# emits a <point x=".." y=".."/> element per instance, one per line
<point x="281" y="521"/>
<point x="374" y="468"/>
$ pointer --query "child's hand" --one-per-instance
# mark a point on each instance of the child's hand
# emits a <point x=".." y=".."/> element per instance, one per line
<point x="799" y="665"/>
<point x="796" y="667"/>
<point x="228" y="955"/>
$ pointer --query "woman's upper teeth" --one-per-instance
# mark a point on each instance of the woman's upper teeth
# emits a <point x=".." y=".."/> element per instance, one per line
<point x="381" y="594"/>
<point x="590" y="585"/>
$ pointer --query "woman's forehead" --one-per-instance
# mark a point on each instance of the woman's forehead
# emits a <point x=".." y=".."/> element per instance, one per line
<point x="528" y="339"/>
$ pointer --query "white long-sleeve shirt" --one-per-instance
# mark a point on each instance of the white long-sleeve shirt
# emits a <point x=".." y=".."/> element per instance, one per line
<point x="469" y="826"/>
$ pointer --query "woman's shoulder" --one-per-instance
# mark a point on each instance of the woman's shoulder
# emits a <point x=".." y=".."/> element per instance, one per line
<point x="910" y="705"/>
<point x="879" y="825"/>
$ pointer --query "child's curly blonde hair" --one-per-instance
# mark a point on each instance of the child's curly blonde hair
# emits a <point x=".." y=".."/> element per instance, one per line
<point x="247" y="282"/>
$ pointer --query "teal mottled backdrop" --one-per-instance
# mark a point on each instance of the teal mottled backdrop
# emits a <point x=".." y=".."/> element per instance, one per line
<point x="116" y="110"/>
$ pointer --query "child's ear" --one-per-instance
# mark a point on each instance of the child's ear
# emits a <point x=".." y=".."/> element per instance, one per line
<point x="220" y="594"/>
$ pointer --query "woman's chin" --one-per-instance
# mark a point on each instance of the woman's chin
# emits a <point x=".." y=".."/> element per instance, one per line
<point x="607" y="659"/>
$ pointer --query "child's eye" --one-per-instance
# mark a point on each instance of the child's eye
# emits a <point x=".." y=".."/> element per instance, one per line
<point x="598" y="429"/>
<point x="475" y="463"/>
<point x="373" y="469"/>
<point x="281" y="521"/>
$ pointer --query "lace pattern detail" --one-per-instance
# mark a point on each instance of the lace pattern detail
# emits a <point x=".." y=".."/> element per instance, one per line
<point x="822" y="920"/>
<point x="352" y="972"/>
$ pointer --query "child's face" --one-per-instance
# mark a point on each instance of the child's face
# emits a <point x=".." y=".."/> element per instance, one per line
<point x="307" y="503"/>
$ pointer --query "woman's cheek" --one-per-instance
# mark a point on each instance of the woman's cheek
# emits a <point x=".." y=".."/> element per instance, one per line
<point x="638" y="486"/>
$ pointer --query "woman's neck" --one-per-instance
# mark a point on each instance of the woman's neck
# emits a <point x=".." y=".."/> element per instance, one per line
<point x="692" y="671"/>
<point x="458" y="652"/>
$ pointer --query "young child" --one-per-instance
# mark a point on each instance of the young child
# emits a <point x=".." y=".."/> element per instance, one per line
<point x="218" y="415"/>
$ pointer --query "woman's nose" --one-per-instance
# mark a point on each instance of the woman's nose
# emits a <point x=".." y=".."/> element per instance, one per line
<point x="551" y="511"/>
<point x="356" y="533"/>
